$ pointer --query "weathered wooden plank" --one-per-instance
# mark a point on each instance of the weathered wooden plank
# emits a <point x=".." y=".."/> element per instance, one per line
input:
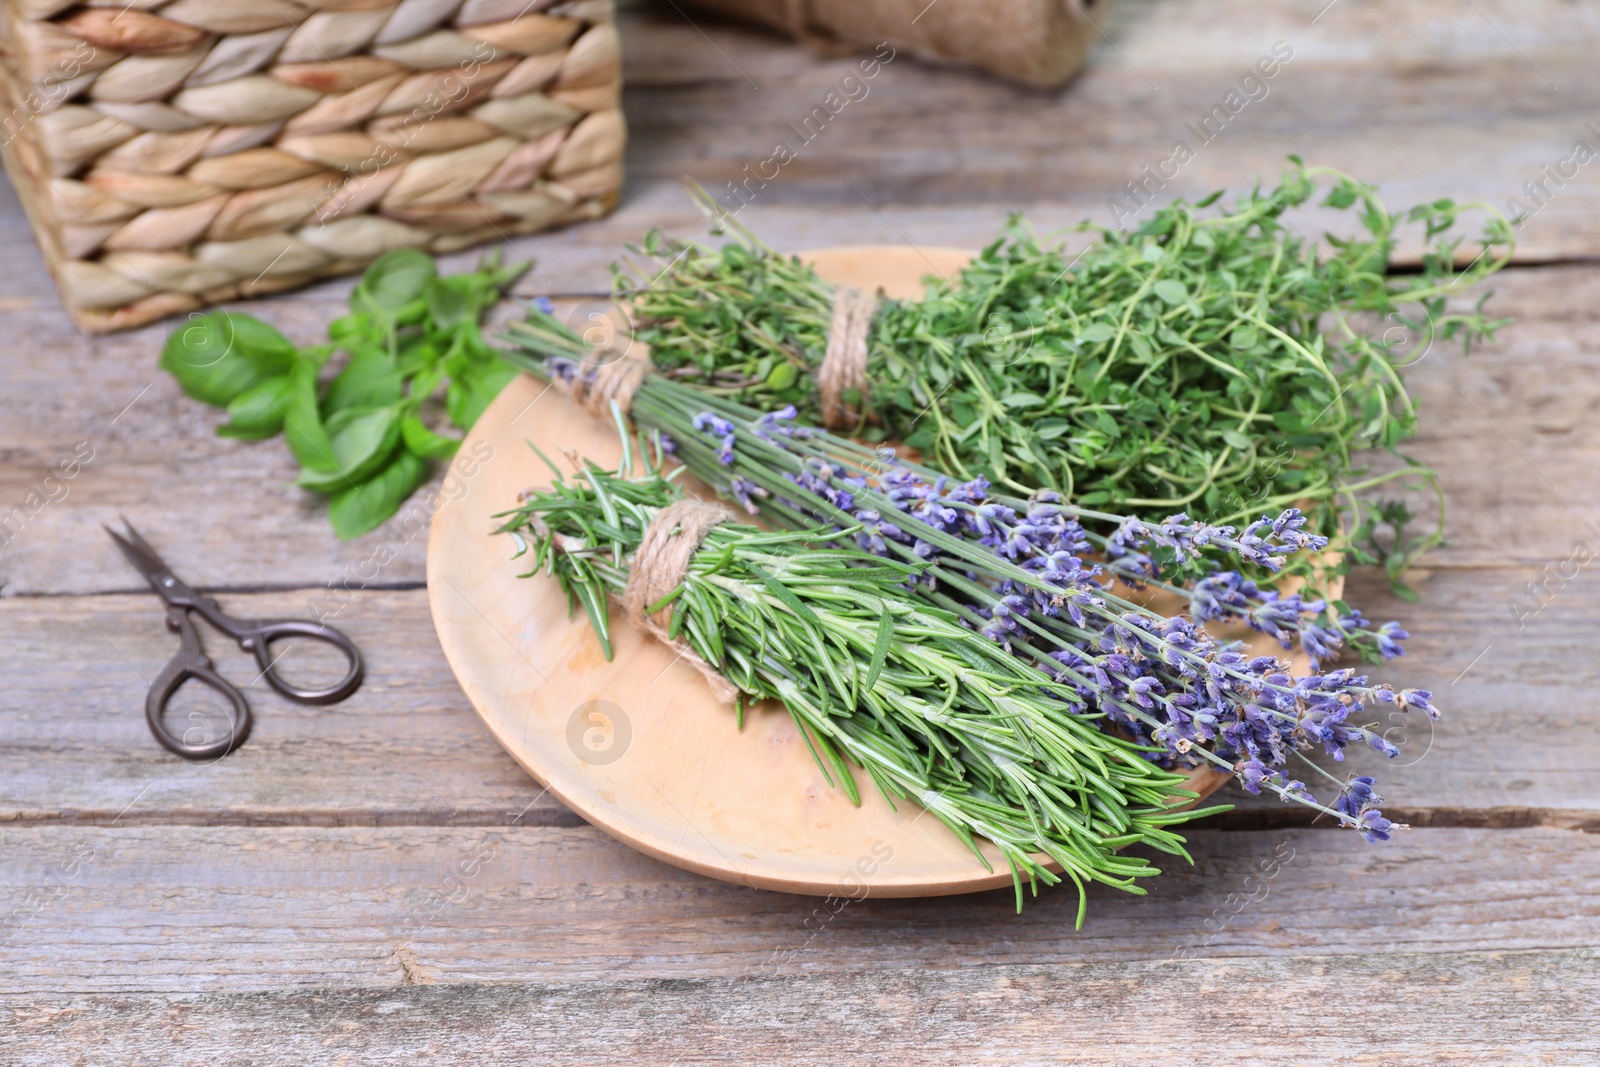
<point x="405" y="748"/>
<point x="190" y="909"/>
<point x="1376" y="90"/>
<point x="408" y="749"/>
<point x="1397" y="1011"/>
<point x="1390" y="105"/>
<point x="1511" y="437"/>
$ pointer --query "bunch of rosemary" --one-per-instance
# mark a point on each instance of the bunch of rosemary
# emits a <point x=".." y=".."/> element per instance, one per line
<point x="874" y="676"/>
<point x="1023" y="573"/>
<point x="1219" y="363"/>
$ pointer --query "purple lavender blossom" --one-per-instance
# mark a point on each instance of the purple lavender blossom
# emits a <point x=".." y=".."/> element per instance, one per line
<point x="1165" y="682"/>
<point x="1374" y="827"/>
<point x="712" y="424"/>
<point x="1356" y="796"/>
<point x="745" y="492"/>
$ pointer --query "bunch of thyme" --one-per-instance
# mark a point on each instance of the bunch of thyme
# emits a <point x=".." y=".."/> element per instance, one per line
<point x="1218" y="363"/>
<point x="1024" y="573"/>
<point x="872" y="675"/>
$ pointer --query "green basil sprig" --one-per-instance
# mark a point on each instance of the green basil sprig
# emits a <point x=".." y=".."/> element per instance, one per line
<point x="362" y="438"/>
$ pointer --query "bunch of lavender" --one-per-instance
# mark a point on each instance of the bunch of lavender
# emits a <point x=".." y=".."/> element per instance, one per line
<point x="875" y="676"/>
<point x="1023" y="573"/>
<point x="1211" y="361"/>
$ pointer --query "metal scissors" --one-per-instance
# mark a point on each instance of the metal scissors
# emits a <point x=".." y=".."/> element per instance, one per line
<point x="253" y="635"/>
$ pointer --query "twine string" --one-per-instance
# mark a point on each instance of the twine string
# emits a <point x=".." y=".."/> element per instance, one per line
<point x="844" y="364"/>
<point x="604" y="375"/>
<point x="659" y="566"/>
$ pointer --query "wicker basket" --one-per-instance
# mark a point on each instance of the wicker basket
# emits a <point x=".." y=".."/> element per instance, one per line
<point x="177" y="153"/>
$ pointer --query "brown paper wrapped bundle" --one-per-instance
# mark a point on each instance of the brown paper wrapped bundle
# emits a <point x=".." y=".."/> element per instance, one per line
<point x="176" y="154"/>
<point x="1038" y="43"/>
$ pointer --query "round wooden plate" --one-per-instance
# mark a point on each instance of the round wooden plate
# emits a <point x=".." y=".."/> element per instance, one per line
<point x="638" y="746"/>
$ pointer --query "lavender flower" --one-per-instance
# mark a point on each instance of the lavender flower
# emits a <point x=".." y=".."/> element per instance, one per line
<point x="745" y="491"/>
<point x="1164" y="681"/>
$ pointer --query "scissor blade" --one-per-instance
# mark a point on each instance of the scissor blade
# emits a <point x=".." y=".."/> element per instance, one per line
<point x="140" y="554"/>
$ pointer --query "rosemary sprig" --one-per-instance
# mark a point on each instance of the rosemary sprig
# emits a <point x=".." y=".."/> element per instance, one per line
<point x="875" y="676"/>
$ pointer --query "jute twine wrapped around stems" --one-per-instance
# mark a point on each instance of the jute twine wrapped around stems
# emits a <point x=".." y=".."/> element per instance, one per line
<point x="1038" y="43"/>
<point x="659" y="566"/>
<point x="844" y="361"/>
<point x="176" y="154"/>
<point x="607" y="374"/>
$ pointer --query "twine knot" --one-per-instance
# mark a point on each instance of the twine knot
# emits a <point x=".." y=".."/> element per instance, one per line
<point x="604" y="375"/>
<point x="659" y="566"/>
<point x="844" y="364"/>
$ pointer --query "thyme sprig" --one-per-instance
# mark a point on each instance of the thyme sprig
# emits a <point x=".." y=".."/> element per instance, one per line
<point x="1217" y="363"/>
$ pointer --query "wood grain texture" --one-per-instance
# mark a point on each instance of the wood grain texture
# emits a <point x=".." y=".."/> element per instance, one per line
<point x="405" y="748"/>
<point x="1462" y="1008"/>
<point x="192" y="909"/>
<point x="1371" y="88"/>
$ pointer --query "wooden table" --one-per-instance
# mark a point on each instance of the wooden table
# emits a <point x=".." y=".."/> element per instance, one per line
<point x="378" y="883"/>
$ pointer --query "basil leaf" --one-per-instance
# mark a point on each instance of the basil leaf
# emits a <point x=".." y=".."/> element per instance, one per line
<point x="354" y="327"/>
<point x="474" y="389"/>
<point x="258" y="411"/>
<point x="417" y="354"/>
<point x="454" y="299"/>
<point x="423" y="385"/>
<point x="424" y="442"/>
<point x="219" y="355"/>
<point x="369" y="380"/>
<point x="362" y="441"/>
<point x="355" y="510"/>
<point x="302" y="422"/>
<point x="393" y="280"/>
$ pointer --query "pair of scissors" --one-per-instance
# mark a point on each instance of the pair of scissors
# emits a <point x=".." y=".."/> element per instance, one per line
<point x="191" y="662"/>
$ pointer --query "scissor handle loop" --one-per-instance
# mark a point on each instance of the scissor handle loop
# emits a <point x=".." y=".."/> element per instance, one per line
<point x="191" y="663"/>
<point x="256" y="637"/>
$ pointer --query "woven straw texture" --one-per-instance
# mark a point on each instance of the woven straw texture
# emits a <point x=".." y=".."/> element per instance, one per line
<point x="1037" y="43"/>
<point x="176" y="153"/>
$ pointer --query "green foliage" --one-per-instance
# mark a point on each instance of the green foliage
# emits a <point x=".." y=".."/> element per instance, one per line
<point x="362" y="437"/>
<point x="1212" y="362"/>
